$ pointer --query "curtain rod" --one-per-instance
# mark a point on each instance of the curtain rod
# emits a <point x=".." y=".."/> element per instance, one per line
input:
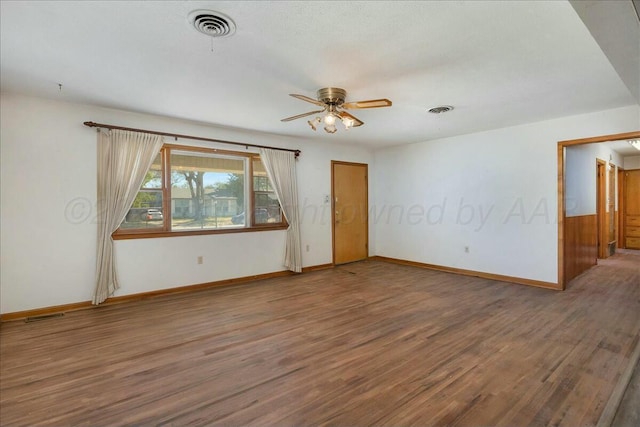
<point x="199" y="138"/>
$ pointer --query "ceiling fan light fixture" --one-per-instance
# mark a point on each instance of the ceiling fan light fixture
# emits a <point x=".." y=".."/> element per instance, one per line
<point x="348" y="123"/>
<point x="329" y="119"/>
<point x="313" y="123"/>
<point x="332" y="99"/>
<point x="330" y="128"/>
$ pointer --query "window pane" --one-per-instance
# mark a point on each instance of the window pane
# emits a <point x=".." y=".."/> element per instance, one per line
<point x="146" y="211"/>
<point x="207" y="191"/>
<point x="153" y="179"/>
<point x="266" y="206"/>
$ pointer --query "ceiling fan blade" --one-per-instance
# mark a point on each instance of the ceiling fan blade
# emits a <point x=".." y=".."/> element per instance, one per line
<point x="306" y="98"/>
<point x="372" y="103"/>
<point x="356" y="121"/>
<point x="288" y="119"/>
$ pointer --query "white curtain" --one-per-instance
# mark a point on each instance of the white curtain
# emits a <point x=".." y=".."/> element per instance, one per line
<point x="281" y="169"/>
<point x="124" y="158"/>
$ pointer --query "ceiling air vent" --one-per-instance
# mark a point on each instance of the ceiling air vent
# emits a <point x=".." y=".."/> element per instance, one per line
<point x="211" y="23"/>
<point x="441" y="109"/>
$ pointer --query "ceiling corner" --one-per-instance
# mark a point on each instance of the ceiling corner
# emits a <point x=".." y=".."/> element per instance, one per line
<point x="615" y="26"/>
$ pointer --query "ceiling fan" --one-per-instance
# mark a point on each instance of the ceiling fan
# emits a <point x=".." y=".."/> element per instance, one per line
<point x="332" y="101"/>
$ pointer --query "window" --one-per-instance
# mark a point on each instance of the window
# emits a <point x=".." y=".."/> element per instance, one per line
<point x="266" y="206"/>
<point x="202" y="190"/>
<point x="208" y="188"/>
<point x="146" y="211"/>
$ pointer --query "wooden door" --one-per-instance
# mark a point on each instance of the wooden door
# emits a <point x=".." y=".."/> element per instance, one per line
<point x="601" y="208"/>
<point x="611" y="209"/>
<point x="350" y="212"/>
<point x="632" y="209"/>
<point x="621" y="197"/>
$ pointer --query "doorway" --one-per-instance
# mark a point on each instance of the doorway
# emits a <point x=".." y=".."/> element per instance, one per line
<point x="601" y="207"/>
<point x="621" y="207"/>
<point x="563" y="259"/>
<point x="349" y="189"/>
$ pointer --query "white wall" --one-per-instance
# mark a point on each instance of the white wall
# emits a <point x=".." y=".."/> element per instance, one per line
<point x="632" y="162"/>
<point x="497" y="192"/>
<point x="48" y="198"/>
<point x="494" y="191"/>
<point x="580" y="176"/>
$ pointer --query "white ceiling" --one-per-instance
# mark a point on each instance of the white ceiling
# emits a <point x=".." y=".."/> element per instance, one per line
<point x="623" y="148"/>
<point x="498" y="63"/>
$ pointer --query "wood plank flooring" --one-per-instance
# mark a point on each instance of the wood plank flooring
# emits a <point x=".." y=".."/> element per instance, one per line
<point x="628" y="414"/>
<point x="369" y="343"/>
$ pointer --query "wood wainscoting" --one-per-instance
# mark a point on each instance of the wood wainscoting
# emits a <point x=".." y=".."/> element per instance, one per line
<point x="580" y="245"/>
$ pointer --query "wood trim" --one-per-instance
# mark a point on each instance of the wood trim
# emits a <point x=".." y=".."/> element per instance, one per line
<point x="166" y="185"/>
<point x="603" y="138"/>
<point x="561" y="205"/>
<point x="601" y="207"/>
<point x="317" y="267"/>
<point x="46" y="311"/>
<point x="251" y="205"/>
<point x="83" y="305"/>
<point x="208" y="150"/>
<point x="333" y="215"/>
<point x="612" y="223"/>
<point x="621" y="200"/>
<point x="490" y="276"/>
<point x="158" y="234"/>
<point x="562" y="209"/>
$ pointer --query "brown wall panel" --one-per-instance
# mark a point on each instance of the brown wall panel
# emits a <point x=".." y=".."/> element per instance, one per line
<point x="580" y="245"/>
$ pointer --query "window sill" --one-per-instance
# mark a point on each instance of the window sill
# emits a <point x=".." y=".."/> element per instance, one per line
<point x="157" y="234"/>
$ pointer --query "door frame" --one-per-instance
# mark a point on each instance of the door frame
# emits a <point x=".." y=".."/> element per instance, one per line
<point x="612" y="237"/>
<point x="561" y="201"/>
<point x="601" y="207"/>
<point x="333" y="205"/>
<point x="621" y="198"/>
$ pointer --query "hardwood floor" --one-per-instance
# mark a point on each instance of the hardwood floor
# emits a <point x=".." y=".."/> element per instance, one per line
<point x="628" y="413"/>
<point x="370" y="343"/>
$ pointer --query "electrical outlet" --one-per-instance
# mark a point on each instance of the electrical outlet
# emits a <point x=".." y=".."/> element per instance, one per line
<point x="466" y="249"/>
<point x="200" y="259"/>
<point x="307" y="248"/>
